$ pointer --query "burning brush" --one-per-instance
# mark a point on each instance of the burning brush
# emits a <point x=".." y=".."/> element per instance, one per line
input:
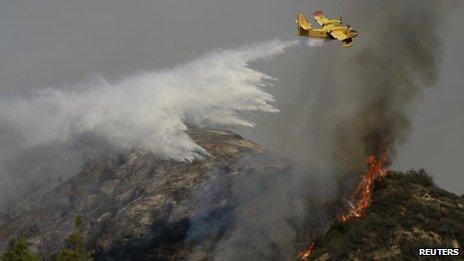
<point x="307" y="252"/>
<point x="361" y="197"/>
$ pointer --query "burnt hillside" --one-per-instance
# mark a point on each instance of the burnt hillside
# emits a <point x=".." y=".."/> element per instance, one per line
<point x="136" y="206"/>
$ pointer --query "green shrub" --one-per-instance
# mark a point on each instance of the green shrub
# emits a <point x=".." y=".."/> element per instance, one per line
<point x="19" y="251"/>
<point x="420" y="177"/>
<point x="76" y="250"/>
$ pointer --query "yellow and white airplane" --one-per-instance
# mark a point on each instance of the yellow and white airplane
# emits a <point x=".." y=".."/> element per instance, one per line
<point x="331" y="28"/>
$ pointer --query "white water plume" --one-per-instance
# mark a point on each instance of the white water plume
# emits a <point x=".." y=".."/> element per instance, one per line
<point x="149" y="110"/>
<point x="312" y="42"/>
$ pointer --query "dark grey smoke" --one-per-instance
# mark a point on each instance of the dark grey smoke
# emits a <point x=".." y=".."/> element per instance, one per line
<point x="348" y="103"/>
<point x="401" y="60"/>
<point x="362" y="109"/>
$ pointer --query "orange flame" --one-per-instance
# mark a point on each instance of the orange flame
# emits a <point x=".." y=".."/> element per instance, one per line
<point x="306" y="253"/>
<point x="362" y="194"/>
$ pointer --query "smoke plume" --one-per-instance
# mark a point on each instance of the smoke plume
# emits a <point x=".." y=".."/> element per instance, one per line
<point x="362" y="109"/>
<point x="400" y="60"/>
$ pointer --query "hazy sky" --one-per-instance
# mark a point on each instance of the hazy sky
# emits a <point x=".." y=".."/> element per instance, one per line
<point x="55" y="42"/>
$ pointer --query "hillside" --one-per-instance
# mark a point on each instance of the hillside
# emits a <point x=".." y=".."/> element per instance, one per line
<point x="407" y="212"/>
<point x="135" y="206"/>
<point x="139" y="207"/>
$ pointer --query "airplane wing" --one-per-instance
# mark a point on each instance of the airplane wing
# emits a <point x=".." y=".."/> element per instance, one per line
<point x="320" y="18"/>
<point x="337" y="34"/>
<point x="340" y="35"/>
<point x="303" y="22"/>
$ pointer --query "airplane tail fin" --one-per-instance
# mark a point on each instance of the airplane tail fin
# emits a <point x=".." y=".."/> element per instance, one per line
<point x="304" y="26"/>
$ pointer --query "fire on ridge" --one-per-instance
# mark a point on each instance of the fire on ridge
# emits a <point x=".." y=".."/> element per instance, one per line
<point x="361" y="197"/>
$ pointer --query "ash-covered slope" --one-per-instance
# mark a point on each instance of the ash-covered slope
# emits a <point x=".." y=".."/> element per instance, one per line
<point x="407" y="212"/>
<point x="136" y="206"/>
